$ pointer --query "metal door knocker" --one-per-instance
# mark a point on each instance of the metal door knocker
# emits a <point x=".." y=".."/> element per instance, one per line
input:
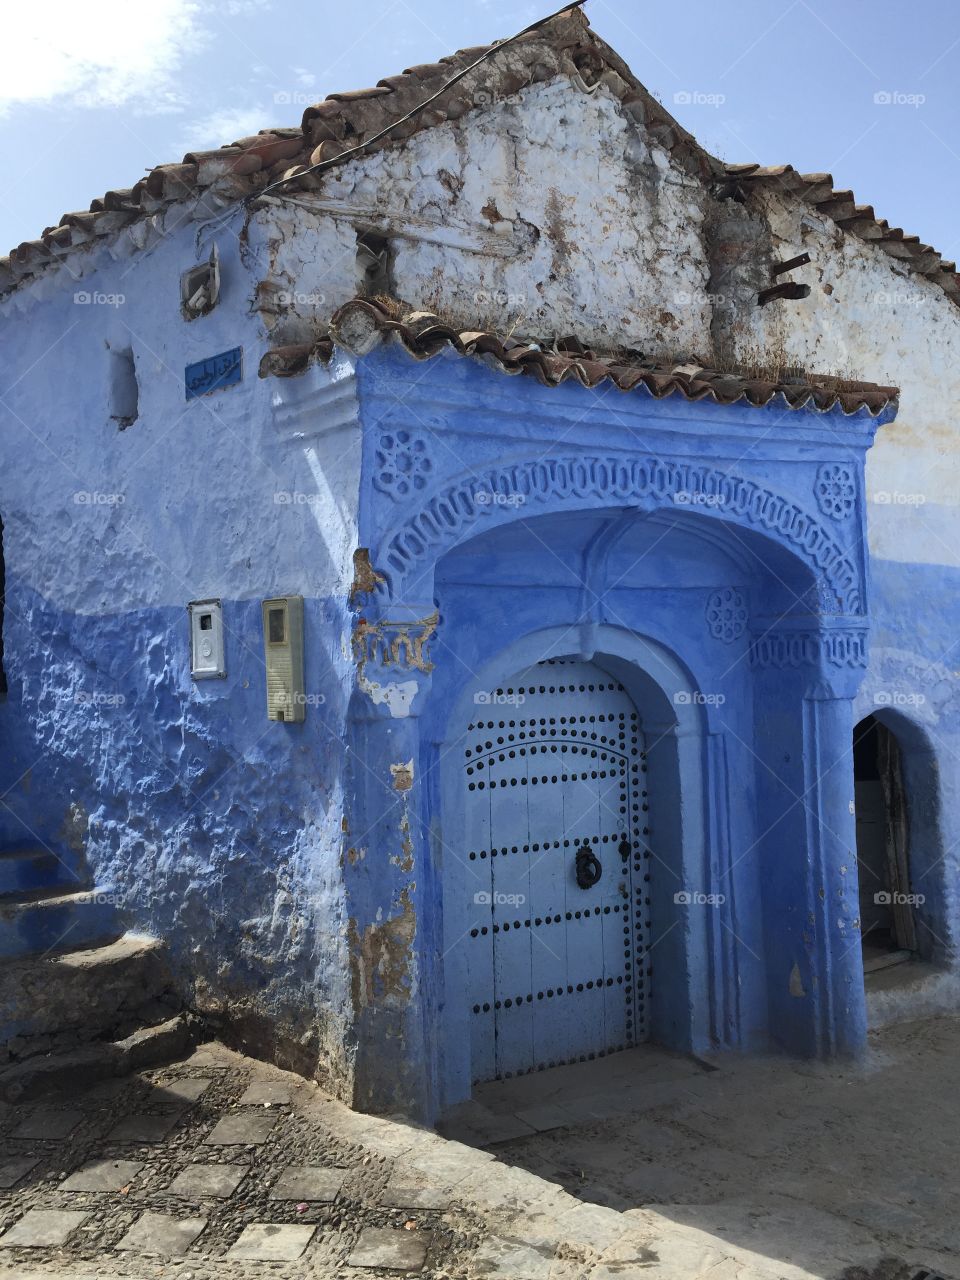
<point x="589" y="869"/>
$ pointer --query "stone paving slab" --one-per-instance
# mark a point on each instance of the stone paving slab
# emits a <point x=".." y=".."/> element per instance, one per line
<point x="512" y="1261"/>
<point x="272" y="1242"/>
<point x="49" y="1125"/>
<point x="308" y="1183"/>
<point x="449" y="1164"/>
<point x="403" y="1192"/>
<point x="11" y="1171"/>
<point x="108" y="1090"/>
<point x="216" y="1180"/>
<point x="389" y="1250"/>
<point x="42" y="1229"/>
<point x="266" y="1093"/>
<point x="242" y="1130"/>
<point x="144" y="1128"/>
<point x="502" y="1186"/>
<point x="543" y="1119"/>
<point x="157" y="1233"/>
<point x="476" y="1124"/>
<point x="593" y="1225"/>
<point x="103" y="1175"/>
<point x="177" y="1092"/>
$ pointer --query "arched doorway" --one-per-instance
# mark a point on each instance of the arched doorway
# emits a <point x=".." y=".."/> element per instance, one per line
<point x="556" y="827"/>
<point x="652" y="981"/>
<point x="887" y="925"/>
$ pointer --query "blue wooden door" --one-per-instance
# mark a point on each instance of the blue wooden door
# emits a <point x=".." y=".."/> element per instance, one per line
<point x="556" y="825"/>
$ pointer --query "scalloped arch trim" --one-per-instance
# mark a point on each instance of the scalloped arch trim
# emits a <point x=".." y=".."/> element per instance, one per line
<point x="497" y="494"/>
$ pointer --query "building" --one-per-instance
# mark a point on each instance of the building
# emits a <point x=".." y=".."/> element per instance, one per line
<point x="444" y="724"/>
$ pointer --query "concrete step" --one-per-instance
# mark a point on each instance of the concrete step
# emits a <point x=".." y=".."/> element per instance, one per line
<point x="908" y="992"/>
<point x="58" y="1001"/>
<point x="66" y="921"/>
<point x="25" y="870"/>
<point x="148" y="1047"/>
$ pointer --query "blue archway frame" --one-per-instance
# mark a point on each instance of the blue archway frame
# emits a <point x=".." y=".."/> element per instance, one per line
<point x="494" y="442"/>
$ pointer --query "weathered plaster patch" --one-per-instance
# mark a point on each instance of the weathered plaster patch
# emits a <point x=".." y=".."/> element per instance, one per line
<point x="396" y="644"/>
<point x="405" y="860"/>
<point x="393" y="644"/>
<point x="398" y="695"/>
<point x="402" y="776"/>
<point x="365" y="577"/>
<point x="796" y="983"/>
<point x="382" y="957"/>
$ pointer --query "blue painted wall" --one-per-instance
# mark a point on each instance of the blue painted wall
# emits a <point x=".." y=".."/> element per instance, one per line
<point x="514" y="488"/>
<point x="297" y="871"/>
<point x="220" y="830"/>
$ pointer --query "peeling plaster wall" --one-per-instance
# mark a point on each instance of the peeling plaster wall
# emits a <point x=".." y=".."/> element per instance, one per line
<point x="221" y="831"/>
<point x="869" y="318"/>
<point x="575" y="222"/>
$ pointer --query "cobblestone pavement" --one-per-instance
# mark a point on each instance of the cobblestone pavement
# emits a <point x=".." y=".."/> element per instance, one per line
<point x="221" y="1166"/>
<point x="224" y="1166"/>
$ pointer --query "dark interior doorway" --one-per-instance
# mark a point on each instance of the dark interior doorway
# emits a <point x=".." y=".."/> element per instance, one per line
<point x="887" y="925"/>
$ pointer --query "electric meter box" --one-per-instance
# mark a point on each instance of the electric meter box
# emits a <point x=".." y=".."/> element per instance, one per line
<point x="206" y="639"/>
<point x="283" y="649"/>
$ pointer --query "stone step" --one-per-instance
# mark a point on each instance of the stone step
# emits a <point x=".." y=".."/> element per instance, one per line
<point x="23" y="897"/>
<point x="25" y="870"/>
<point x="65" y="922"/>
<point x="148" y="1047"/>
<point x="58" y="1001"/>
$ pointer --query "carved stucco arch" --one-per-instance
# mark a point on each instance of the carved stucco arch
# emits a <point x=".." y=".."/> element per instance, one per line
<point x="499" y="494"/>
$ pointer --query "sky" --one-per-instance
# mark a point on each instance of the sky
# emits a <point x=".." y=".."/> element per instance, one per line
<point x="91" y="96"/>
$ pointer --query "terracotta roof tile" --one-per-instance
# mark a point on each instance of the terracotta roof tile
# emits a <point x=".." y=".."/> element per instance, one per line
<point x="565" y="45"/>
<point x="858" y="219"/>
<point x="243" y="168"/>
<point x="362" y="324"/>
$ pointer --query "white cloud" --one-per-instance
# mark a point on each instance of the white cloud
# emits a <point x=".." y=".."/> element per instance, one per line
<point x="103" y="53"/>
<point x="222" y="127"/>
